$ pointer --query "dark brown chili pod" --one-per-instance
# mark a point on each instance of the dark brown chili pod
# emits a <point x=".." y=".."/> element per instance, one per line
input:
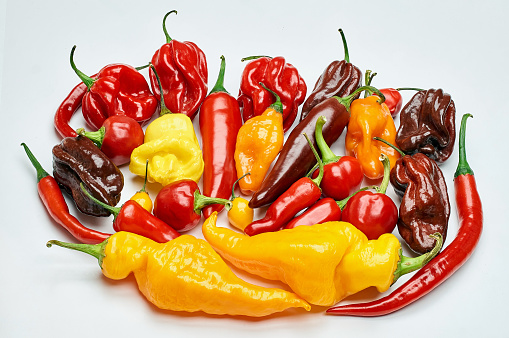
<point x="427" y="125"/>
<point x="78" y="160"/>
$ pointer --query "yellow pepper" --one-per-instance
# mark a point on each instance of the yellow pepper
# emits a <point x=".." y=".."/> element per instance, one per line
<point x="323" y="263"/>
<point x="369" y="118"/>
<point x="259" y="141"/>
<point x="185" y="274"/>
<point x="240" y="214"/>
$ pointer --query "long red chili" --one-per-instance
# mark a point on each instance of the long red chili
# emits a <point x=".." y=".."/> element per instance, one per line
<point x="55" y="204"/>
<point x="67" y="109"/>
<point x="470" y="217"/>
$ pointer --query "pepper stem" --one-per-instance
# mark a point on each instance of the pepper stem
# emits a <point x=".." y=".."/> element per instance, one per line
<point x="347" y="100"/>
<point x="145" y="182"/>
<point x="254" y="57"/>
<point x="407" y="88"/>
<point x="318" y="178"/>
<point x="164" y="109"/>
<point x="327" y="155"/>
<point x="277" y="106"/>
<point x="390" y="145"/>
<point x="387" y="172"/>
<point x="87" y="80"/>
<point x="341" y="204"/>
<point x="368" y="77"/>
<point x="463" y="166"/>
<point x="409" y="264"/>
<point x="96" y="136"/>
<point x="201" y="201"/>
<point x="345" y="46"/>
<point x="96" y="250"/>
<point x="113" y="210"/>
<point x="219" y="86"/>
<point x="234" y="184"/>
<point x="168" y="38"/>
<point x="41" y="173"/>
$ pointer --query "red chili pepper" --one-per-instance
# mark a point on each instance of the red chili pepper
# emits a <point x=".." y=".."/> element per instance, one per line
<point x="52" y="198"/>
<point x="279" y="76"/>
<point x="132" y="217"/>
<point x="373" y="213"/>
<point x="220" y="122"/>
<point x="301" y="195"/>
<point x="117" y="138"/>
<point x="470" y="216"/>
<point x="179" y="204"/>
<point x="394" y="100"/>
<point x="67" y="109"/>
<point x="182" y="69"/>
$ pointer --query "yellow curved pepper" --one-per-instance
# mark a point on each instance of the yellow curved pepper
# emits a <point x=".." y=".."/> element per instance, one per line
<point x="185" y="274"/>
<point x="323" y="263"/>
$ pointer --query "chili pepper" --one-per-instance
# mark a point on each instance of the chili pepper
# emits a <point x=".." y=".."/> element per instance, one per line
<point x="259" y="141"/>
<point x="296" y="157"/>
<point x="54" y="202"/>
<point x="184" y="274"/>
<point x="117" y="138"/>
<point x="278" y="75"/>
<point x="424" y="207"/>
<point x="322" y="263"/>
<point x="132" y="217"/>
<point x="368" y="119"/>
<point x="141" y="196"/>
<point x="179" y="204"/>
<point x="220" y="122"/>
<point x="78" y="160"/>
<point x="340" y="78"/>
<point x="373" y="213"/>
<point x="182" y="68"/>
<point x="116" y="90"/>
<point x="427" y="125"/>
<point x="240" y="215"/>
<point x="67" y="109"/>
<point x="470" y="215"/>
<point x="342" y="175"/>
<point x="394" y="100"/>
<point x="301" y="195"/>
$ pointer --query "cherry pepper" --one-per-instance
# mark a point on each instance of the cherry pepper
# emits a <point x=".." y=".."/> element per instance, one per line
<point x="373" y="213"/>
<point x="182" y="68"/>
<point x="116" y="90"/>
<point x="220" y="122"/>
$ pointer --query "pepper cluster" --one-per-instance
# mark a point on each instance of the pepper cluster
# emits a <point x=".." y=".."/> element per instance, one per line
<point x="323" y="234"/>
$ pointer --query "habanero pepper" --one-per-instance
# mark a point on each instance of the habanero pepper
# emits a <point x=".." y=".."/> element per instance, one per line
<point x="182" y="69"/>
<point x="220" y="122"/>
<point x="470" y="216"/>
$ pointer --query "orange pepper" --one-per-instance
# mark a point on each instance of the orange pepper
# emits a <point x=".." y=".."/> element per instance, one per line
<point x="368" y="119"/>
<point x="258" y="143"/>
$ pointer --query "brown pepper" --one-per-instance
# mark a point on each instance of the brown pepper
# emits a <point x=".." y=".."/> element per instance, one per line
<point x="427" y="125"/>
<point x="78" y="160"/>
<point x="425" y="207"/>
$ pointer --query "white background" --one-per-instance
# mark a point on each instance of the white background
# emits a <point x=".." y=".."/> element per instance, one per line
<point x="458" y="46"/>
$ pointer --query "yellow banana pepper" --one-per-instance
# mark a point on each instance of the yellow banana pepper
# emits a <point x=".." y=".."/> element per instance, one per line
<point x="185" y="274"/>
<point x="323" y="263"/>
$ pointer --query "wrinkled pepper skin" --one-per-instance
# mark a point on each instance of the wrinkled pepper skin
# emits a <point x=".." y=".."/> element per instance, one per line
<point x="369" y="119"/>
<point x="322" y="263"/>
<point x="425" y="207"/>
<point x="427" y="125"/>
<point x="78" y="160"/>
<point x="279" y="76"/>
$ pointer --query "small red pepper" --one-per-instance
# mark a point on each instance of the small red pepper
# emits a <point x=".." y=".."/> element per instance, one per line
<point x="470" y="215"/>
<point x="67" y="109"/>
<point x="393" y="99"/>
<point x="54" y="202"/>
<point x="182" y="69"/>
<point x="220" y="122"/>
<point x="117" y="138"/>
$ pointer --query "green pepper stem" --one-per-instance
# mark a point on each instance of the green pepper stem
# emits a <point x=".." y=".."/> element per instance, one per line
<point x="318" y="178"/>
<point x="41" y="173"/>
<point x="277" y="106"/>
<point x="390" y="145"/>
<point x="341" y="204"/>
<point x="347" y="100"/>
<point x="234" y="184"/>
<point x="145" y="182"/>
<point x="219" y="86"/>
<point x="345" y="46"/>
<point x="87" y="80"/>
<point x="168" y="38"/>
<point x="96" y="250"/>
<point x="409" y="264"/>
<point x="254" y="57"/>
<point x="96" y="136"/>
<point x="201" y="201"/>
<point x="368" y="77"/>
<point x="114" y="210"/>
<point x="327" y="155"/>
<point x="387" y="173"/>
<point x="463" y="166"/>
<point x="142" y="67"/>
<point x="164" y="109"/>
<point x="408" y="88"/>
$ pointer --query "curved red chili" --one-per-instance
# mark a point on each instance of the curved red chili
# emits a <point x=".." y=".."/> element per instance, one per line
<point x="67" y="109"/>
<point x="470" y="217"/>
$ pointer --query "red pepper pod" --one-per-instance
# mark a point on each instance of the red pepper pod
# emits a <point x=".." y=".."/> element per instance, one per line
<point x="393" y="100"/>
<point x="325" y="210"/>
<point x="67" y="109"/>
<point x="277" y="75"/>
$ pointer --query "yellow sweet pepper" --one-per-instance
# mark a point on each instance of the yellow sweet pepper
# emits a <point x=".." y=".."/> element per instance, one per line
<point x="185" y="274"/>
<point x="323" y="263"/>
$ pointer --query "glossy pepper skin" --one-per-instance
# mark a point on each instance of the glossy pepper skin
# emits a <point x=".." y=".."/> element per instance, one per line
<point x="220" y="122"/>
<point x="324" y="210"/>
<point x="340" y="78"/>
<point x="280" y="77"/>
<point x="240" y="215"/>
<point x="369" y="119"/>
<point x="116" y="90"/>
<point x="67" y="108"/>
<point x="182" y="69"/>
<point x="184" y="274"/>
<point x="427" y="125"/>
